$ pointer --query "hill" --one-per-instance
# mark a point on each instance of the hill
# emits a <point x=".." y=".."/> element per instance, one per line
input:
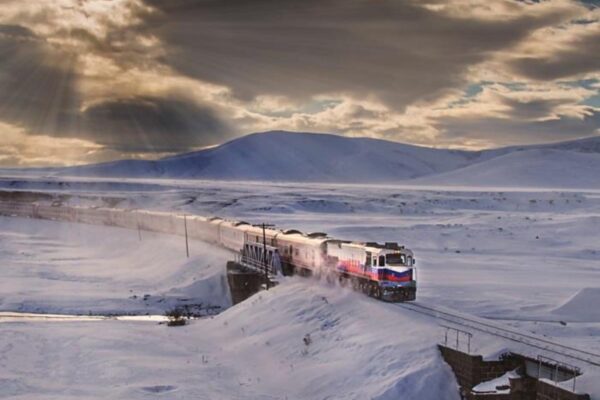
<point x="299" y="157"/>
<point x="542" y="167"/>
<point x="311" y="157"/>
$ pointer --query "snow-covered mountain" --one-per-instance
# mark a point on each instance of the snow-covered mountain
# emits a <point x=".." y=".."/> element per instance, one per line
<point x="311" y="157"/>
<point x="286" y="156"/>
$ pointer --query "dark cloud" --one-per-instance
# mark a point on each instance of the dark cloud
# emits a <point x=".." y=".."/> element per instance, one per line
<point x="582" y="57"/>
<point x="538" y="109"/>
<point x="37" y="82"/>
<point x="503" y="131"/>
<point x="397" y="50"/>
<point x="144" y="124"/>
<point x="39" y="93"/>
<point x="16" y="31"/>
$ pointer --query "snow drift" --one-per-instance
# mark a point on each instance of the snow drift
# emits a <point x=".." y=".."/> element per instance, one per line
<point x="582" y="307"/>
<point x="296" y="341"/>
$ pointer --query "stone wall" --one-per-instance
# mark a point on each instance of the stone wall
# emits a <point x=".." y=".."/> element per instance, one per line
<point x="471" y="370"/>
<point x="242" y="282"/>
<point x="547" y="391"/>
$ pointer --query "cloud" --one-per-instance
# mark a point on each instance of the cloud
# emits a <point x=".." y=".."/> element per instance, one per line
<point x="485" y="132"/>
<point x="518" y="114"/>
<point x="160" y="124"/>
<point x="581" y="57"/>
<point x="399" y="51"/>
<point x="37" y="81"/>
<point x="151" y="77"/>
<point x="53" y="91"/>
<point x="23" y="149"/>
<point x="562" y="51"/>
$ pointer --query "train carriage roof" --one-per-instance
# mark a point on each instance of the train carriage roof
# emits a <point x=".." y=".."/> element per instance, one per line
<point x="240" y="226"/>
<point x="299" y="238"/>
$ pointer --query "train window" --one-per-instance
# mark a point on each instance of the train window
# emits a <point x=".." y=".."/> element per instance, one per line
<point x="381" y="261"/>
<point x="396" y="259"/>
<point x="368" y="262"/>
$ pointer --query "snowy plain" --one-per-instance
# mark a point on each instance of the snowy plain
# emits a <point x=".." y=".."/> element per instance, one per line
<point x="526" y="257"/>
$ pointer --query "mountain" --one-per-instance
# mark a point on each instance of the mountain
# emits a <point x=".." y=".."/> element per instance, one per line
<point x="286" y="156"/>
<point x="313" y="157"/>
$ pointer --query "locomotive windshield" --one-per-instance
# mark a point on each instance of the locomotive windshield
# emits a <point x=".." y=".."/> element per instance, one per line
<point x="395" y="259"/>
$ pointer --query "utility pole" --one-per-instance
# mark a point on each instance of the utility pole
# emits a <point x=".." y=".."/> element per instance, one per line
<point x="264" y="226"/>
<point x="187" y="246"/>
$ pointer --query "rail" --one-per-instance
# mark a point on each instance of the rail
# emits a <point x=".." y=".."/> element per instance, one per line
<point x="459" y="332"/>
<point x="530" y="340"/>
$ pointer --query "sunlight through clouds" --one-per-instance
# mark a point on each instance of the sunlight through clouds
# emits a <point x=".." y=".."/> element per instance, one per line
<point x="21" y="149"/>
<point x="153" y="77"/>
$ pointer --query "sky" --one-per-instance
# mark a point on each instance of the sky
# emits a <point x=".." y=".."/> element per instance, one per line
<point x="85" y="81"/>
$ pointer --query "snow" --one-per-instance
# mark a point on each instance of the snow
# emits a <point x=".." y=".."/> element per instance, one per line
<point x="584" y="306"/>
<point x="586" y="383"/>
<point x="60" y="268"/>
<point x="530" y="168"/>
<point x="500" y="385"/>
<point x="253" y="351"/>
<point x="284" y="156"/>
<point x="528" y="258"/>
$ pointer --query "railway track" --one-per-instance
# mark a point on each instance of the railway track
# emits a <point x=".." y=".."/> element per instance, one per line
<point x="482" y="325"/>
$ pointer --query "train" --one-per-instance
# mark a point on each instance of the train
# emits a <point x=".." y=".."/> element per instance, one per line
<point x="384" y="271"/>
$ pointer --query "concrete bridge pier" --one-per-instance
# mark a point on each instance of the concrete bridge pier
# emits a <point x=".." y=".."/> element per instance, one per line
<point x="243" y="282"/>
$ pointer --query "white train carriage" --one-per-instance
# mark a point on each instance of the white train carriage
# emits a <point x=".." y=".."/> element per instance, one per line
<point x="201" y="228"/>
<point x="14" y="209"/>
<point x="93" y="216"/>
<point x="55" y="213"/>
<point x="301" y="253"/>
<point x="255" y="234"/>
<point x="158" y="221"/>
<point x="123" y="218"/>
<point x="231" y="234"/>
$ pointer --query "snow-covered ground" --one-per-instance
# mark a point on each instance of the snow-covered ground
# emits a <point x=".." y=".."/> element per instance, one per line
<point x="529" y="258"/>
<point x="358" y="349"/>
<point x="61" y="268"/>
